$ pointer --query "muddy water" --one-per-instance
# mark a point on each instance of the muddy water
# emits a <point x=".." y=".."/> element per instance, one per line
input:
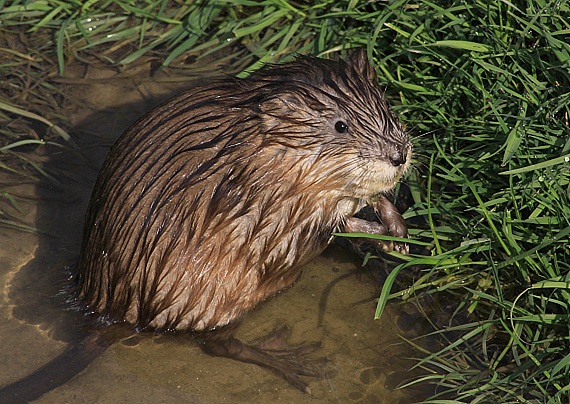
<point x="332" y="302"/>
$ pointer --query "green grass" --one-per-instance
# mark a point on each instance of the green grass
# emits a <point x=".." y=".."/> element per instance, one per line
<point x="488" y="84"/>
<point x="484" y="87"/>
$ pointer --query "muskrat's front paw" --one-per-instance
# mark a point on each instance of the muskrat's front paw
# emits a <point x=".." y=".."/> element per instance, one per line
<point x="357" y="225"/>
<point x="393" y="221"/>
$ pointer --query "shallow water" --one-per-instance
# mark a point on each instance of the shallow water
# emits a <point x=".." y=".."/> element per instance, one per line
<point x="332" y="302"/>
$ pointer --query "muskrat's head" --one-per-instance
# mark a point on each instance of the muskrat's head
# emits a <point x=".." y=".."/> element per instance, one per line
<point x="334" y="114"/>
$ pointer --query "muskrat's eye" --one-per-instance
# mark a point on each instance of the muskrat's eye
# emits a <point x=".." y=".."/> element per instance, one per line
<point x="341" y="127"/>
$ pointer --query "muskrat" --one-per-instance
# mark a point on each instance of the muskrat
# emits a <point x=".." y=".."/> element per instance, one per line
<point x="213" y="201"/>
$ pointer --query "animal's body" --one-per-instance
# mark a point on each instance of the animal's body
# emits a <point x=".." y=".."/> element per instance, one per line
<point x="213" y="201"/>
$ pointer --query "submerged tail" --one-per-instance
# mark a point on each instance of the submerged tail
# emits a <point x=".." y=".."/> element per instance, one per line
<point x="57" y="372"/>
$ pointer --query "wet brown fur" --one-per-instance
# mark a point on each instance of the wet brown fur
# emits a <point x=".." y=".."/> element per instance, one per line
<point x="212" y="202"/>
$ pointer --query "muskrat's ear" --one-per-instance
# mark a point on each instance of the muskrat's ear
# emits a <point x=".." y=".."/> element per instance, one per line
<point x="283" y="102"/>
<point x="362" y="65"/>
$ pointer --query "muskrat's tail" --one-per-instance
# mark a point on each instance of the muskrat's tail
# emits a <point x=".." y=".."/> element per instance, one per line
<point x="57" y="372"/>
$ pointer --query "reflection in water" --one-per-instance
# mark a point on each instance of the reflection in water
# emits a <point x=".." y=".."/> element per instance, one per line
<point x="332" y="302"/>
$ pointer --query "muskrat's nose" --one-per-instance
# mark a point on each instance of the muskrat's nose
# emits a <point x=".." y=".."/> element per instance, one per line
<point x="399" y="157"/>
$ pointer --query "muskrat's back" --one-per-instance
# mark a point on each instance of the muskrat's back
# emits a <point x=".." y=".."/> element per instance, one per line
<point x="213" y="201"/>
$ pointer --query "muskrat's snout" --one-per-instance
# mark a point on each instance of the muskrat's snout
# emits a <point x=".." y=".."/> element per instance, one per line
<point x="398" y="152"/>
<point x="400" y="155"/>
